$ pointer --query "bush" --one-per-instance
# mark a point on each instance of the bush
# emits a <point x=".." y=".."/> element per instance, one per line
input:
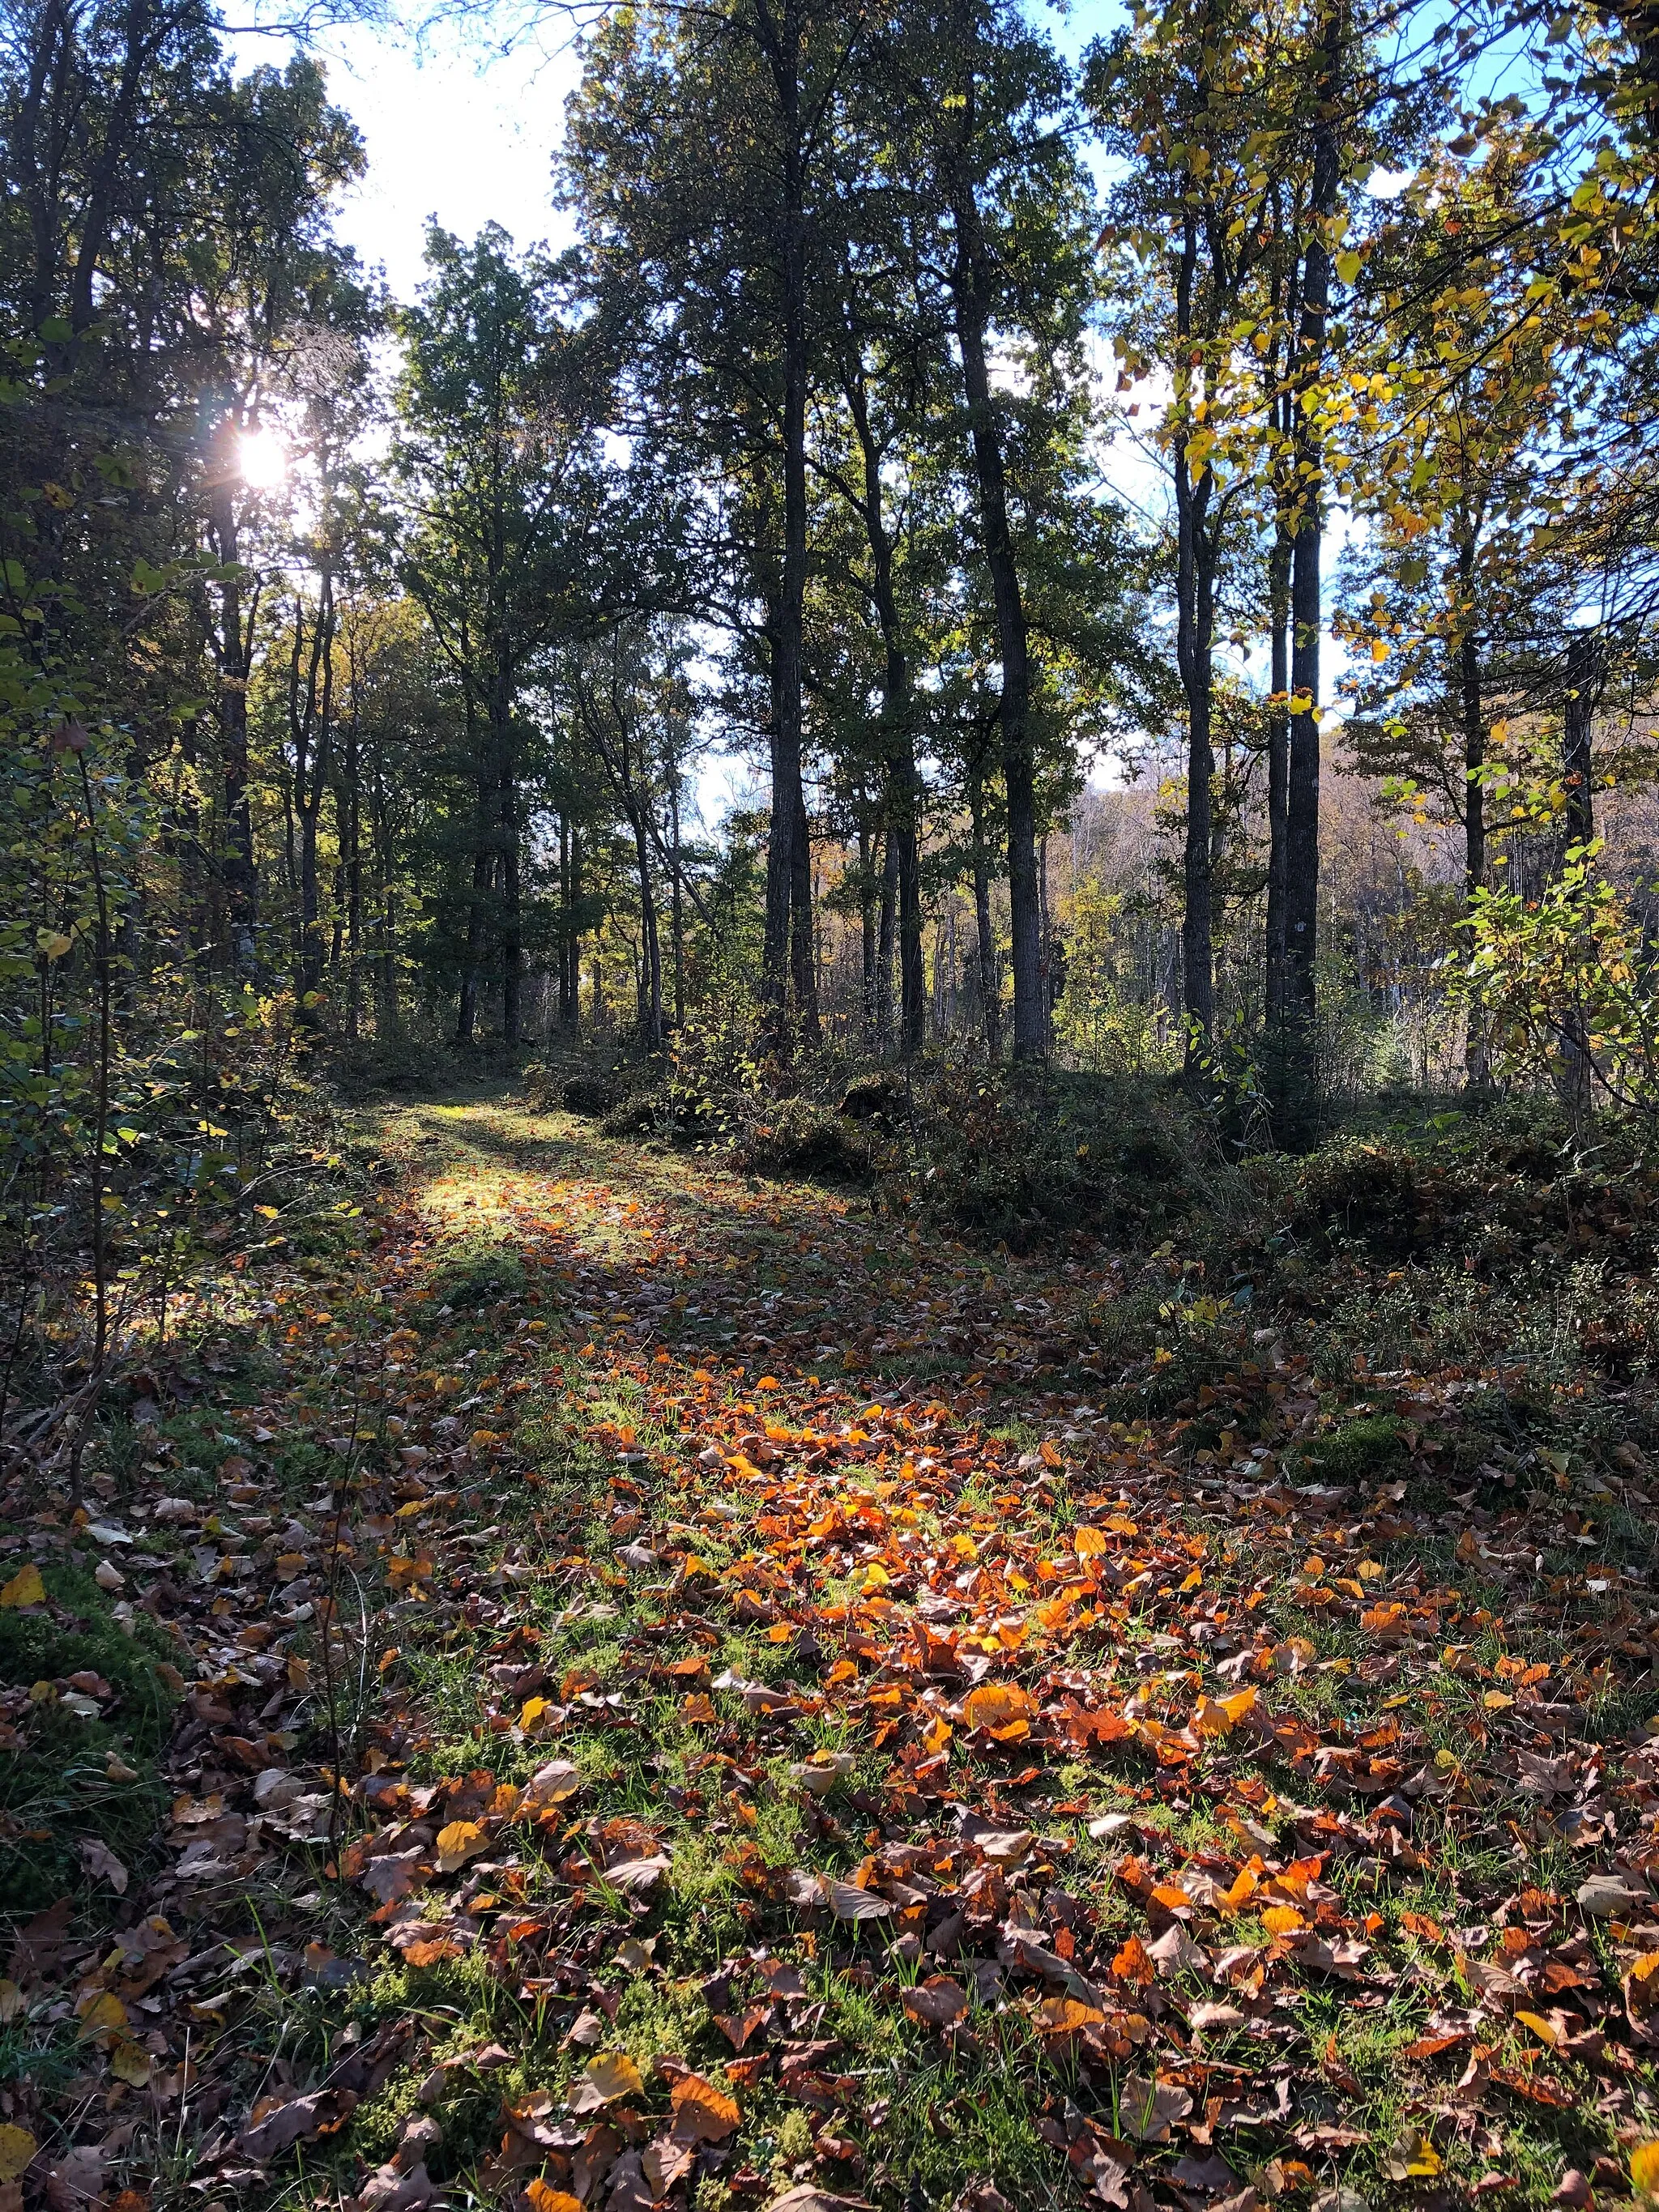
<point x="798" y="1139"/>
<point x="1023" y="1156"/>
<point x="589" y="1094"/>
<point x="648" y="1113"/>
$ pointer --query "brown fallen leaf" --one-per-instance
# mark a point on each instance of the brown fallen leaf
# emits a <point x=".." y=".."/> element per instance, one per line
<point x="102" y="1864"/>
<point x="807" y="2196"/>
<point x="635" y="1877"/>
<point x="548" y="1786"/>
<point x="277" y="2126"/>
<point x="388" y="2188"/>
<point x="936" y="2002"/>
<point x="1148" y="2109"/>
<point x="390" y="1878"/>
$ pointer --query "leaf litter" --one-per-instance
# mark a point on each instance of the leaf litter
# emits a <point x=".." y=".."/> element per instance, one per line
<point x="634" y="1749"/>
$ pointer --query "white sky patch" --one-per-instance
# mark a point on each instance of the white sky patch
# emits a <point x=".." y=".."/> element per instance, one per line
<point x="449" y="132"/>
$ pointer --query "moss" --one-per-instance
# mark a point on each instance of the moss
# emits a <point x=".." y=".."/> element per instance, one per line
<point x="57" y="1791"/>
<point x="1359" y="1451"/>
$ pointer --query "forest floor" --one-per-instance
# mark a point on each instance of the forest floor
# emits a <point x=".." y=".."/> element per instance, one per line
<point x="779" y="1744"/>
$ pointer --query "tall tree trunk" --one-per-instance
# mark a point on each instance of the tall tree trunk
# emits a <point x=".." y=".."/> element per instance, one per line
<point x="786" y="935"/>
<point x="1302" y="785"/>
<point x="567" y="995"/>
<point x="867" y="924"/>
<point x="650" y="1007"/>
<point x="1278" y="762"/>
<point x="901" y="805"/>
<point x="466" y="1018"/>
<point x="972" y="283"/>
<point x="572" y="926"/>
<point x="510" y="921"/>
<point x="240" y="875"/>
<point x="985" y="951"/>
<point x="1194" y="623"/>
<point x="1583" y="686"/>
<point x="803" y="934"/>
<point x="351" y="839"/>
<point x="1472" y="707"/>
<point x="885" y="939"/>
<point x="913" y="985"/>
<point x="677" y="896"/>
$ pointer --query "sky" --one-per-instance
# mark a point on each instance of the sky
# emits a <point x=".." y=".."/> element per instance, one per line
<point x="449" y="133"/>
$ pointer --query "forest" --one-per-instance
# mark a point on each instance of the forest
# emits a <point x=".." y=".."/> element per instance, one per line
<point x="828" y="1049"/>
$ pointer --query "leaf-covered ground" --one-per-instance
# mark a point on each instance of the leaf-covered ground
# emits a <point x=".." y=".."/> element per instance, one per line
<point x="606" y="1682"/>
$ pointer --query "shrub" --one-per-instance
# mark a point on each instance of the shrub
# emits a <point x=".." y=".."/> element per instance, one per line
<point x="797" y="1137"/>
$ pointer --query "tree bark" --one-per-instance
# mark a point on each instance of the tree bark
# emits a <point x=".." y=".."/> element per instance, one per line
<point x="1302" y="786"/>
<point x="1583" y="685"/>
<point x="972" y="298"/>
<point x="886" y="937"/>
<point x="1278" y="762"/>
<point x="985" y="951"/>
<point x="1194" y="628"/>
<point x="238" y="874"/>
<point x="785" y="934"/>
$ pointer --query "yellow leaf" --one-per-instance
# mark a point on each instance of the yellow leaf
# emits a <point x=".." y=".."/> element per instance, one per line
<point x="534" y="1710"/>
<point x="131" y="2065"/>
<point x="1541" y="2027"/>
<point x="1218" y="1716"/>
<point x="25" y="1588"/>
<point x="1088" y="1543"/>
<point x="603" y="2080"/>
<point x="460" y="1841"/>
<point x="17" y="2148"/>
<point x="1644" y="2168"/>
<point x="104" y="2015"/>
<point x="1282" y="1920"/>
<point x="53" y="942"/>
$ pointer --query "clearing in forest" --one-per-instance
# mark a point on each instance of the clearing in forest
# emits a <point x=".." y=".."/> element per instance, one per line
<point x="680" y="1701"/>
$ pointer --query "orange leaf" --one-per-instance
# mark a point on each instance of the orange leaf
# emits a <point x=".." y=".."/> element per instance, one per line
<point x="996" y="1705"/>
<point x="702" y="2112"/>
<point x="542" y="2197"/>
<point x="1133" y="1963"/>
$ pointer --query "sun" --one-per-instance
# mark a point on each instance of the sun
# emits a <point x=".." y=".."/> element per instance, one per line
<point x="262" y="459"/>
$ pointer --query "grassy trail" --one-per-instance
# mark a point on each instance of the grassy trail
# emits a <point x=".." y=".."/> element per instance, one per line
<point x="714" y="1712"/>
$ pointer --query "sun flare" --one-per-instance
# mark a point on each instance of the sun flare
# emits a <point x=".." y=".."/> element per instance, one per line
<point x="263" y="459"/>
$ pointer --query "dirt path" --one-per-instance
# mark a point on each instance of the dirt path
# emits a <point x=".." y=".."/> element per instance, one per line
<point x="788" y="1741"/>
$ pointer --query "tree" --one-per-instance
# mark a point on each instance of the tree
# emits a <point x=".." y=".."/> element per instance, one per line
<point x="499" y="453"/>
